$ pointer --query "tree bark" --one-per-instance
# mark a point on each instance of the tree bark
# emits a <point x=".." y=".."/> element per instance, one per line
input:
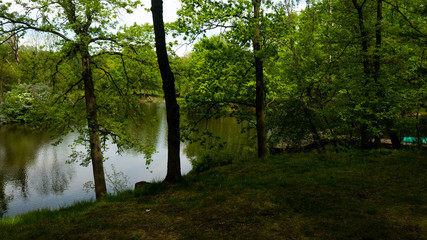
<point x="14" y="44"/>
<point x="92" y="120"/>
<point x="365" y="138"/>
<point x="378" y="41"/>
<point x="260" y="92"/>
<point x="364" y="38"/>
<point x="377" y="68"/>
<point x="329" y="29"/>
<point x="172" y="107"/>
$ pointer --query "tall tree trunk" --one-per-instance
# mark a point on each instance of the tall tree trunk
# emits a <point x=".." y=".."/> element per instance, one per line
<point x="377" y="68"/>
<point x="365" y="40"/>
<point x="365" y="138"/>
<point x="378" y="41"/>
<point x="260" y="92"/>
<point x="92" y="121"/>
<point x="172" y="107"/>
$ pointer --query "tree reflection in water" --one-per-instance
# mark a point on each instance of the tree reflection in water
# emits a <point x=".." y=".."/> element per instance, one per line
<point x="33" y="173"/>
<point x="53" y="177"/>
<point x="19" y="148"/>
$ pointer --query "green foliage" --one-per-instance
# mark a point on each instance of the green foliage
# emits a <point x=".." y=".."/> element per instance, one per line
<point x="324" y="91"/>
<point x="220" y="72"/>
<point x="117" y="70"/>
<point x="150" y="189"/>
<point x="220" y="83"/>
<point x="22" y="103"/>
<point x="117" y="182"/>
<point x="210" y="159"/>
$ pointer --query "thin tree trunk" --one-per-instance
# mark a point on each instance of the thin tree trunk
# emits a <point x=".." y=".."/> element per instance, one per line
<point x="172" y="107"/>
<point x="260" y="92"/>
<point x="3" y="77"/>
<point x="365" y="139"/>
<point x="329" y="26"/>
<point x="364" y="38"/>
<point x="92" y="120"/>
<point x="420" y="143"/>
<point x="378" y="41"/>
<point x="292" y="45"/>
<point x="316" y="136"/>
<point x="417" y="128"/>
<point x="14" y="43"/>
<point x="377" y="68"/>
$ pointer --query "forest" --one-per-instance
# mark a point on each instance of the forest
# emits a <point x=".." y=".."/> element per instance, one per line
<point x="332" y="94"/>
<point x="346" y="74"/>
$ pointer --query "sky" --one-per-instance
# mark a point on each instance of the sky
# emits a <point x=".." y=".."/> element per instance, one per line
<point x="141" y="16"/>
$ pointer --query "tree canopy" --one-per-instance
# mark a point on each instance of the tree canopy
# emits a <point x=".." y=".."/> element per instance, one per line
<point x="345" y="73"/>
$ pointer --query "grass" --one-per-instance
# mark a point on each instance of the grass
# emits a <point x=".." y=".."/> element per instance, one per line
<point x="349" y="195"/>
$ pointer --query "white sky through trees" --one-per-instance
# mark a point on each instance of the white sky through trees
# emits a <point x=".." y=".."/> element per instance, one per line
<point x="139" y="16"/>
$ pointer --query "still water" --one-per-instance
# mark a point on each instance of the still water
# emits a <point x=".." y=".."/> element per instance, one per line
<point x="34" y="173"/>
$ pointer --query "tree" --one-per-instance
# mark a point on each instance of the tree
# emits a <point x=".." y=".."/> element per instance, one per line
<point x="354" y="61"/>
<point x="87" y="22"/>
<point x="14" y="44"/>
<point x="172" y="107"/>
<point x="374" y="21"/>
<point x="244" y="20"/>
<point x="260" y="91"/>
<point x="303" y="57"/>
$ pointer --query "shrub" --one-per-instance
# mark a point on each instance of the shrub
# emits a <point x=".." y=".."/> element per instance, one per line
<point x="210" y="159"/>
<point x="20" y="104"/>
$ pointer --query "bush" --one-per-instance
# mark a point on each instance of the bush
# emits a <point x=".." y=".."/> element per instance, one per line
<point x="210" y="159"/>
<point x="20" y="104"/>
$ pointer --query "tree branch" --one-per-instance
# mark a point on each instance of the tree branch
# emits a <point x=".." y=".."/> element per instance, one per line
<point x="396" y="8"/>
<point x="26" y="26"/>
<point x="69" y="89"/>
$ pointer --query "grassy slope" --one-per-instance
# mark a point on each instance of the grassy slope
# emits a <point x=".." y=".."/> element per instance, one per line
<point x="353" y="195"/>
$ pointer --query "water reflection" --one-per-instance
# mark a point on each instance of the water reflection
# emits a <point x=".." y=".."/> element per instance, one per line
<point x="229" y="132"/>
<point x="153" y="124"/>
<point x="150" y="130"/>
<point x="4" y="199"/>
<point x="29" y="164"/>
<point x="53" y="177"/>
<point x="33" y="173"/>
<point x="18" y="146"/>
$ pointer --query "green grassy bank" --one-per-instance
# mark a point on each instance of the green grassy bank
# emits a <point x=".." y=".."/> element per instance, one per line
<point x="351" y="195"/>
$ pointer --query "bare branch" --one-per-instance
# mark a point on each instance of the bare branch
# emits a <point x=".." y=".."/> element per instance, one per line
<point x="26" y="26"/>
<point x="69" y="89"/>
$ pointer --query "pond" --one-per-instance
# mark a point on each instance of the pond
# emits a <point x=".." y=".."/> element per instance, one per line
<point x="34" y="173"/>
